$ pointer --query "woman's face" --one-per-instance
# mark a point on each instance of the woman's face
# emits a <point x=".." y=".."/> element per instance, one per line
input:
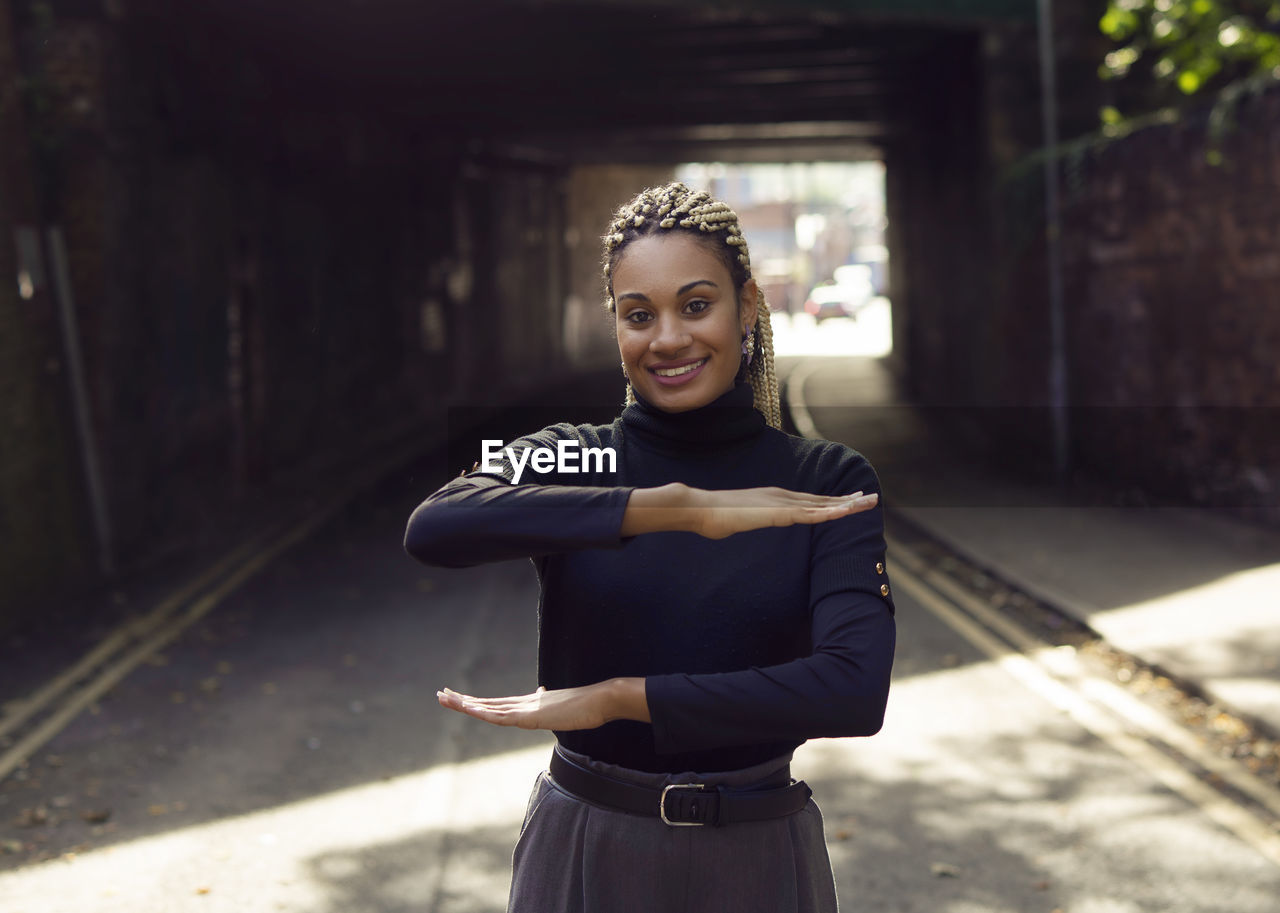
<point x="680" y="325"/>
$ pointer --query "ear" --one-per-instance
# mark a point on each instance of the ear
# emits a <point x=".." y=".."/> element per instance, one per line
<point x="747" y="303"/>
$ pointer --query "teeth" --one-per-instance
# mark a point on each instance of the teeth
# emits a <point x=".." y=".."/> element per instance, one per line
<point x="676" y="372"/>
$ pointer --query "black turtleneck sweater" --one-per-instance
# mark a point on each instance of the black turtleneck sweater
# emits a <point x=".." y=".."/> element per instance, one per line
<point x="748" y="645"/>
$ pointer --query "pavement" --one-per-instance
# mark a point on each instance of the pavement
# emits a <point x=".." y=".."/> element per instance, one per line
<point x="1190" y="591"/>
<point x="284" y="754"/>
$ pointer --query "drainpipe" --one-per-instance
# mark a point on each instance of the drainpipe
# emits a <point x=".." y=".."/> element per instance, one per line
<point x="1053" y="237"/>
<point x="62" y="293"/>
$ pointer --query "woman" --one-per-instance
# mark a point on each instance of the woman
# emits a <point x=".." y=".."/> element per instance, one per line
<point x="707" y="604"/>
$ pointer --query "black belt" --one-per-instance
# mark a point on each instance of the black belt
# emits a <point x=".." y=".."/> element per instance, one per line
<point x="684" y="804"/>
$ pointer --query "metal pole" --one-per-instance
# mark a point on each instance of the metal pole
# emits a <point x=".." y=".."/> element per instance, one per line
<point x="61" y="275"/>
<point x="1053" y="238"/>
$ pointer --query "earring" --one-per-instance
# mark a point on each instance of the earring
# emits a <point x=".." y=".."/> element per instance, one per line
<point x="624" y="371"/>
<point x="747" y="348"/>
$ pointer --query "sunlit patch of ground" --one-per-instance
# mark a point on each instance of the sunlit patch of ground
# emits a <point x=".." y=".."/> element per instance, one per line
<point x="435" y="840"/>
<point x="975" y="796"/>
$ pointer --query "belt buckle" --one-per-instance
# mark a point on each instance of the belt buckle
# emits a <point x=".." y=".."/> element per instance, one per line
<point x="662" y="805"/>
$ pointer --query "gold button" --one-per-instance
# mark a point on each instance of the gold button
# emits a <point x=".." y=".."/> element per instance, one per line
<point x="884" y="589"/>
<point x="879" y="567"/>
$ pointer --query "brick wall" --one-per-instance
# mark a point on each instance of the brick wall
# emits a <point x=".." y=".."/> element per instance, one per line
<point x="594" y="193"/>
<point x="41" y="534"/>
<point x="1174" y="267"/>
<point x="1172" y="308"/>
<point x="271" y="280"/>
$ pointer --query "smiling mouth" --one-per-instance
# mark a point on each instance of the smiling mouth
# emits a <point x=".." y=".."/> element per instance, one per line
<point x="676" y="372"/>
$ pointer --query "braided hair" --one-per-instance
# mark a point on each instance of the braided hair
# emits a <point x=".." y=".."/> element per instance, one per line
<point x="674" y="207"/>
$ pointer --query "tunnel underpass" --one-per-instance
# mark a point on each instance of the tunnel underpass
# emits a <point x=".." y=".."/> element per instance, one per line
<point x="366" y="213"/>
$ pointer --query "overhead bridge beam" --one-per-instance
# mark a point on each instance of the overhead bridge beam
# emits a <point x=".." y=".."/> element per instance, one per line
<point x="848" y="141"/>
<point x="932" y="12"/>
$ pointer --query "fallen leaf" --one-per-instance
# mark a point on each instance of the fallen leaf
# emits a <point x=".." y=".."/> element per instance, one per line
<point x="842" y="835"/>
<point x="95" y="815"/>
<point x="11" y="846"/>
<point x="945" y="870"/>
<point x="1042" y="885"/>
<point x="157" y="809"/>
<point x="202" y="890"/>
<point x="211" y="684"/>
<point x="32" y="817"/>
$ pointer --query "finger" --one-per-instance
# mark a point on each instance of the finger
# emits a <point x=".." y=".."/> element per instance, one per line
<point x="861" y="502"/>
<point x="451" y="699"/>
<point x="835" y="511"/>
<point x="809" y="498"/>
<point x="830" y="501"/>
<point x="481" y="709"/>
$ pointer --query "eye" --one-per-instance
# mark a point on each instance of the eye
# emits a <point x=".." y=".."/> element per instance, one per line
<point x="637" y="317"/>
<point x="697" y="305"/>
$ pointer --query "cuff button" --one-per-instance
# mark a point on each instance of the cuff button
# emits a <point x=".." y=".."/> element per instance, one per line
<point x="879" y="567"/>
<point x="884" y="589"/>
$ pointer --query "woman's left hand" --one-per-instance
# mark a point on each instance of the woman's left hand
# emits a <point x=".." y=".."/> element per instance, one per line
<point x="566" y="708"/>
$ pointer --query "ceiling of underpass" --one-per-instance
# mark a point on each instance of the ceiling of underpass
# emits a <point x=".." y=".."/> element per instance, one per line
<point x="643" y="80"/>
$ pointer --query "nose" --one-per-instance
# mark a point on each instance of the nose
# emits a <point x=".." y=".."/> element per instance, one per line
<point x="670" y="338"/>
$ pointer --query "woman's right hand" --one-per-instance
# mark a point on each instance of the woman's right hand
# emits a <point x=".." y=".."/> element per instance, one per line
<point x="718" y="514"/>
<point x="724" y="513"/>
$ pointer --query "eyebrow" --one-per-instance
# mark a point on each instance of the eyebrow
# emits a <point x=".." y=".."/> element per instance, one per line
<point x="680" y="291"/>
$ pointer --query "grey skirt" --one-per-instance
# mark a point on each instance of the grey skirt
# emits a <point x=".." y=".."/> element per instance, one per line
<point x="576" y="857"/>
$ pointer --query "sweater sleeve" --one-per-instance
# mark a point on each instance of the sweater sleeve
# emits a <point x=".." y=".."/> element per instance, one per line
<point x="513" y="509"/>
<point x="840" y="689"/>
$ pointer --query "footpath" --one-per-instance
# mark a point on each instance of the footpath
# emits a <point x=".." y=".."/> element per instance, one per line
<point x="1185" y="589"/>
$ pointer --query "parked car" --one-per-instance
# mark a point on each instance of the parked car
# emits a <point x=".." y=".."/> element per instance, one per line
<point x="843" y="298"/>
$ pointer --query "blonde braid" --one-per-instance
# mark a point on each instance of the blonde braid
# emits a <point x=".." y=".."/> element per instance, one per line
<point x="675" y="206"/>
<point x="764" y="378"/>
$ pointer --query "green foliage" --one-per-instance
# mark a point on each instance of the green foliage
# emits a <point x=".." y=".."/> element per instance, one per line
<point x="1178" y="48"/>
